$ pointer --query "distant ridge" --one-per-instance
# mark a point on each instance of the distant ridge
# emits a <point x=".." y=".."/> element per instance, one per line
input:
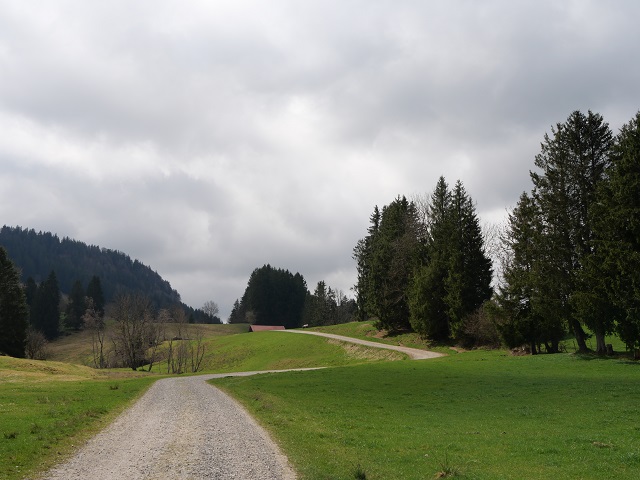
<point x="37" y="254"/>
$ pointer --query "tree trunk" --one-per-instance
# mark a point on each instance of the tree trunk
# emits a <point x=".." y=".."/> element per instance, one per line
<point x="580" y="336"/>
<point x="601" y="347"/>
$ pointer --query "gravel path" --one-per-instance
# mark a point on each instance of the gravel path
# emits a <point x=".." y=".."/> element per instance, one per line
<point x="414" y="353"/>
<point x="182" y="428"/>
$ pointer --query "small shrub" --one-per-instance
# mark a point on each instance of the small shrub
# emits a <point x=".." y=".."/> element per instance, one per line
<point x="10" y="435"/>
<point x="35" y="428"/>
<point x="359" y="473"/>
<point x="115" y="386"/>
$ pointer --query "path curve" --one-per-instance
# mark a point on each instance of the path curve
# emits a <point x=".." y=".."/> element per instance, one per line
<point x="181" y="428"/>
<point x="414" y="353"/>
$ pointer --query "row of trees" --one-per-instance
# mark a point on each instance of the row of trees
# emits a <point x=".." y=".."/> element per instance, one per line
<point x="274" y="296"/>
<point x="573" y="241"/>
<point x="423" y="265"/>
<point x="46" y="313"/>
<point x="327" y="306"/>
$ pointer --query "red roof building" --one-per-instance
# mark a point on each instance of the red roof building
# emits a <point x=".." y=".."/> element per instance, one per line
<point x="263" y="328"/>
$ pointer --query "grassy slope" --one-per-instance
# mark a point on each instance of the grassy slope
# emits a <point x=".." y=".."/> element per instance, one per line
<point x="279" y="351"/>
<point x="366" y="331"/>
<point x="76" y="348"/>
<point x="485" y="414"/>
<point x="47" y="407"/>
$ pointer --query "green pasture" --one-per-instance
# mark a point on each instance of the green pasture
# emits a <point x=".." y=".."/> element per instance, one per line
<point x="47" y="408"/>
<point x="274" y="350"/>
<point x="367" y="331"/>
<point x="477" y="415"/>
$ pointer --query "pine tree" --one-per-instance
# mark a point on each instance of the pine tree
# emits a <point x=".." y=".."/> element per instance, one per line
<point x="468" y="282"/>
<point x="45" y="314"/>
<point x="76" y="307"/>
<point x="428" y="307"/>
<point x="454" y="279"/>
<point x="363" y="255"/>
<point x="94" y="292"/>
<point x="617" y="225"/>
<point x="571" y="164"/>
<point x="520" y="300"/>
<point x="395" y="253"/>
<point x="14" y="313"/>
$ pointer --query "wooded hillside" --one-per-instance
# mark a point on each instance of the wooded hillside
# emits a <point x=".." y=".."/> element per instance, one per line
<point x="36" y="254"/>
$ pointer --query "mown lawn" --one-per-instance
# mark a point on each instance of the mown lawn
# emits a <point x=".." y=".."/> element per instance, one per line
<point x="47" y="408"/>
<point x="477" y="415"/>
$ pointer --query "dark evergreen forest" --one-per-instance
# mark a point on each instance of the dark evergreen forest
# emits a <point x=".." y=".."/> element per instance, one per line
<point x="37" y="254"/>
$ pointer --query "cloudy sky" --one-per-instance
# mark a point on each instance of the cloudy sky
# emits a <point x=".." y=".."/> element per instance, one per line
<point x="207" y="138"/>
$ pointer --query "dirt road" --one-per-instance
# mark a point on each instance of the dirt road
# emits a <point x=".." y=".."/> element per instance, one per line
<point x="182" y="428"/>
<point x="414" y="353"/>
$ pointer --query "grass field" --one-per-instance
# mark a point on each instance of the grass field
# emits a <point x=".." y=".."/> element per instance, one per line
<point x="76" y="347"/>
<point x="48" y="407"/>
<point x="280" y="351"/>
<point x="478" y="415"/>
<point x="367" y="331"/>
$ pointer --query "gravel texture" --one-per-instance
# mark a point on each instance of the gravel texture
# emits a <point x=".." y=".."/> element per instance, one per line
<point x="182" y="428"/>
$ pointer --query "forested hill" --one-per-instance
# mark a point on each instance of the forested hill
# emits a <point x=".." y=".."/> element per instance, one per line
<point x="37" y="254"/>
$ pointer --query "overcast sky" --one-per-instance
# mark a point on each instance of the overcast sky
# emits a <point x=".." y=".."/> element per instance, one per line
<point x="208" y="138"/>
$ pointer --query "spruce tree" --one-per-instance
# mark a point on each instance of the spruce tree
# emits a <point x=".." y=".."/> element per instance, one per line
<point x="395" y="254"/>
<point x="428" y="308"/>
<point x="570" y="165"/>
<point x="363" y="255"/>
<point x="14" y="313"/>
<point x="454" y="278"/>
<point x="616" y="263"/>
<point x="45" y="314"/>
<point x="94" y="292"/>
<point x="468" y="282"/>
<point x="76" y="307"/>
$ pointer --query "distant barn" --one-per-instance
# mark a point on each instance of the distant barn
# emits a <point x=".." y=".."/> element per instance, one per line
<point x="263" y="328"/>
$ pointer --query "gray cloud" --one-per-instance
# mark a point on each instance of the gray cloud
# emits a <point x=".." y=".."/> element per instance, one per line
<point x="208" y="139"/>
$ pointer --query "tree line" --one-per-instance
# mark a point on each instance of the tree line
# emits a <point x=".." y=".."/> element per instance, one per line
<point x="422" y="265"/>
<point x="38" y="253"/>
<point x="31" y="315"/>
<point x="569" y="253"/>
<point x="573" y="241"/>
<point x="275" y="296"/>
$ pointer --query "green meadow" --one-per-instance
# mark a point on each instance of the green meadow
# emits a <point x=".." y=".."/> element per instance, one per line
<point x="472" y="415"/>
<point x="476" y="415"/>
<point x="48" y="408"/>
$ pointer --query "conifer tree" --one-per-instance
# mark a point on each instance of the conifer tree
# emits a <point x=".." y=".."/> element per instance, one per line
<point x="363" y="255"/>
<point x="616" y="262"/>
<point x="94" y="292"/>
<point x="14" y="313"/>
<point x="571" y="164"/>
<point x="395" y="253"/>
<point x="45" y="314"/>
<point x="454" y="279"/>
<point x="76" y="307"/>
<point x="428" y="308"/>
